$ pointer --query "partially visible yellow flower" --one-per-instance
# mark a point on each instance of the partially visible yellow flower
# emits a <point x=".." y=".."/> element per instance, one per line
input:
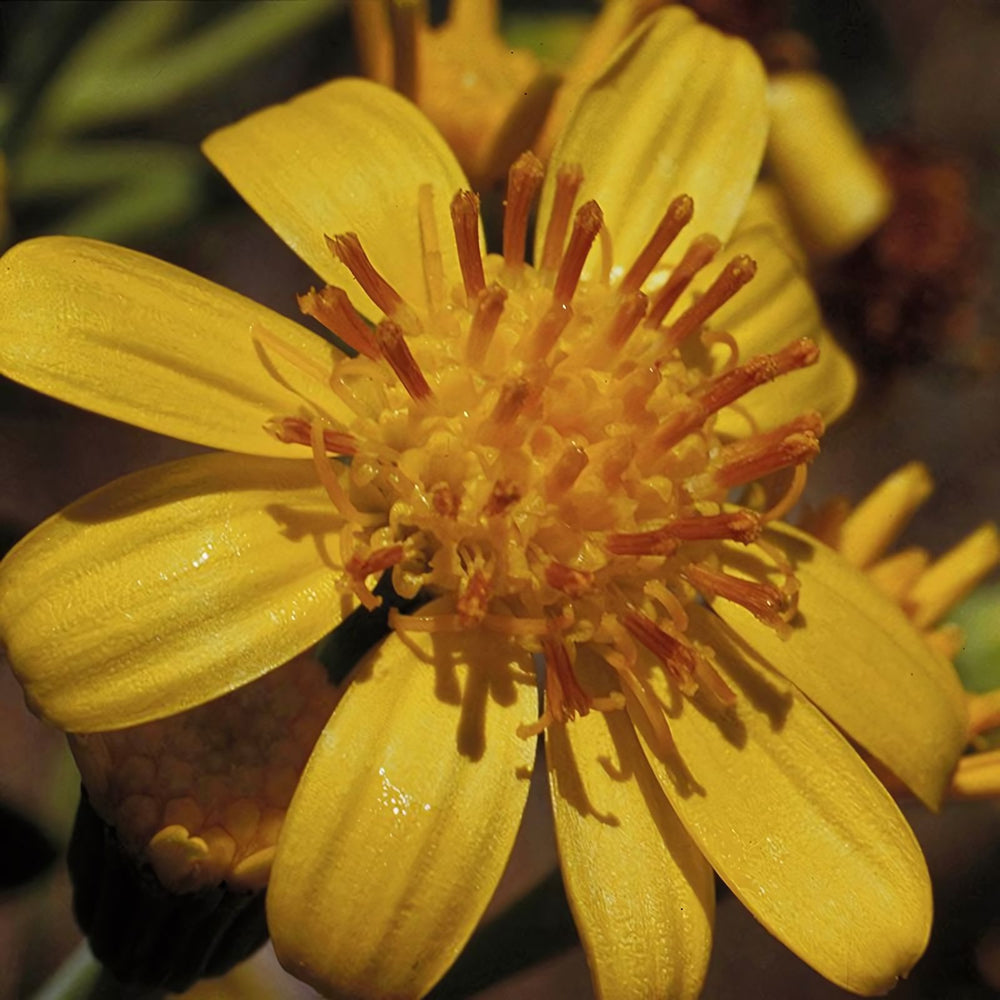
<point x="554" y="452"/>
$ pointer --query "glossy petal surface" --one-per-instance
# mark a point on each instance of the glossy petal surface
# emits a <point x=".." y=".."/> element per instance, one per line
<point x="775" y="308"/>
<point x="403" y="821"/>
<point x="801" y="831"/>
<point x="681" y="109"/>
<point x="128" y="336"/>
<point x="168" y="588"/>
<point x="642" y="894"/>
<point x="862" y="662"/>
<point x="349" y="156"/>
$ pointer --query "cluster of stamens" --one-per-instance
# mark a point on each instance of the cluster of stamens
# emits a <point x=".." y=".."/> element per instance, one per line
<point x="534" y="448"/>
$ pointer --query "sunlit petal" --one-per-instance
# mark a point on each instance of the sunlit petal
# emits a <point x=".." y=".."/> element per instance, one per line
<point x="168" y="588"/>
<point x="134" y="338"/>
<point x="404" y="818"/>
<point x="680" y="110"/>
<point x="801" y="831"/>
<point x="858" y="658"/>
<point x="642" y="893"/>
<point x="349" y="156"/>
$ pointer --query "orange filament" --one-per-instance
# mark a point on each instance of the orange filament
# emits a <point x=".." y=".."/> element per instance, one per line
<point x="489" y="309"/>
<point x="348" y="250"/>
<point x="392" y="344"/>
<point x="515" y="394"/>
<point x="586" y="226"/>
<point x="431" y="247"/>
<point x="327" y="477"/>
<point x="568" y="180"/>
<point x="733" y="277"/>
<point x="572" y="582"/>
<point x="406" y="20"/>
<point x="546" y="333"/>
<point x="791" y="495"/>
<point x="763" y="600"/>
<point x="627" y="316"/>
<point x="358" y="570"/>
<point x="739" y="525"/>
<point x="298" y="430"/>
<point x="676" y="217"/>
<point x="651" y="708"/>
<point x="565" y="698"/>
<point x="523" y="180"/>
<point x="698" y="255"/>
<point x="758" y="456"/>
<point x="331" y="307"/>
<point x="657" y="542"/>
<point x="465" y="220"/>
<point x="503" y="495"/>
<point x="473" y="599"/>
<point x="565" y="472"/>
<point x="304" y="364"/>
<point x="676" y="656"/>
<point x="708" y="678"/>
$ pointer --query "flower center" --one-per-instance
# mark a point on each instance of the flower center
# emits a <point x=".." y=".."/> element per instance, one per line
<point x="534" y="448"/>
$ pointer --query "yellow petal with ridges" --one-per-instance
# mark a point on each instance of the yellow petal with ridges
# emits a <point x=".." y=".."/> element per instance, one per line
<point x="405" y="815"/>
<point x="855" y="655"/>
<point x="775" y="308"/>
<point x="349" y="156"/>
<point x="680" y="109"/>
<point x="133" y="338"/>
<point x="170" y="587"/>
<point x="642" y="894"/>
<point x="788" y="815"/>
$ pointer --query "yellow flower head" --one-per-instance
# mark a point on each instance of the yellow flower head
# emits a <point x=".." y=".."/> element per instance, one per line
<point x="548" y="450"/>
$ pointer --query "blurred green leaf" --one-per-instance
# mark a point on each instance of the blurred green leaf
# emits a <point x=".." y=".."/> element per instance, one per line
<point x="978" y="616"/>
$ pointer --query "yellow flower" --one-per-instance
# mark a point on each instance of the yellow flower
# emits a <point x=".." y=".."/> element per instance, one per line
<point x="549" y="451"/>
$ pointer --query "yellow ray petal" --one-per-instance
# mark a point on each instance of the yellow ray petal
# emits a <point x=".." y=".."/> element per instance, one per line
<point x="858" y="658"/>
<point x="681" y="109"/>
<point x="802" y="832"/>
<point x="349" y="156"/>
<point x="134" y="338"/>
<point x="642" y="894"/>
<point x="168" y="588"/>
<point x="775" y="308"/>
<point x="405" y="815"/>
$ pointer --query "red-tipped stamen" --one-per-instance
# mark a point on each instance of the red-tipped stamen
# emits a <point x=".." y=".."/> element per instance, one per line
<point x="406" y="19"/>
<point x="392" y="344"/>
<point x="523" y="180"/>
<point x="572" y="582"/>
<point x="566" y="699"/>
<point x="676" y="217"/>
<point x="627" y="316"/>
<point x="568" y="180"/>
<point x="359" y="568"/>
<point x="699" y="254"/>
<point x="332" y="307"/>
<point x="515" y="394"/>
<point x="298" y="430"/>
<point x="738" y="526"/>
<point x="503" y="495"/>
<point x="763" y="600"/>
<point x="348" y="250"/>
<point x="473" y="599"/>
<point x="489" y="309"/>
<point x="732" y="278"/>
<point x="566" y="471"/>
<point x="758" y="456"/>
<point x="641" y="543"/>
<point x="465" y="220"/>
<point x="678" y="658"/>
<point x="543" y="338"/>
<point x="586" y="226"/>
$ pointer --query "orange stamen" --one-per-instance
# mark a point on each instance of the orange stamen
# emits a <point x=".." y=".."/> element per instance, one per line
<point x="676" y="656"/>
<point x="698" y="255"/>
<point x="444" y="501"/>
<point x="327" y="477"/>
<point x="406" y="20"/>
<point x="572" y="582"/>
<point x="392" y="344"/>
<point x="473" y="599"/>
<point x="758" y="456"/>
<point x="566" y="699"/>
<point x="676" y="217"/>
<point x="763" y="600"/>
<point x="566" y="471"/>
<point x="503" y="495"/>
<point x="586" y="226"/>
<point x="546" y="333"/>
<point x="568" y="180"/>
<point x="358" y="570"/>
<point x="489" y="309"/>
<point x="523" y="180"/>
<point x="733" y="277"/>
<point x="298" y="430"/>
<point x="465" y="220"/>
<point x="332" y="307"/>
<point x="627" y="316"/>
<point x="348" y="250"/>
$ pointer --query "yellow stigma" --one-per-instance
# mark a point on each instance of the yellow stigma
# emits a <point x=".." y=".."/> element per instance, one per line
<point x="535" y="449"/>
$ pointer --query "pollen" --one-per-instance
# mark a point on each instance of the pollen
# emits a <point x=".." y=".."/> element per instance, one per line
<point x="533" y="447"/>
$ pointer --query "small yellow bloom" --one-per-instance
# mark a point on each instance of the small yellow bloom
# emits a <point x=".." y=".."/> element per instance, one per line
<point x="547" y="449"/>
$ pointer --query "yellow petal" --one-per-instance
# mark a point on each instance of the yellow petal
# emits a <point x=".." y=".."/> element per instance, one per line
<point x="775" y="308"/>
<point x="404" y="818"/>
<point x="853" y="652"/>
<point x="679" y="110"/>
<point x="131" y="337"/>
<point x="349" y="156"/>
<point x="642" y="894"/>
<point x="168" y="588"/>
<point x="801" y="831"/>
